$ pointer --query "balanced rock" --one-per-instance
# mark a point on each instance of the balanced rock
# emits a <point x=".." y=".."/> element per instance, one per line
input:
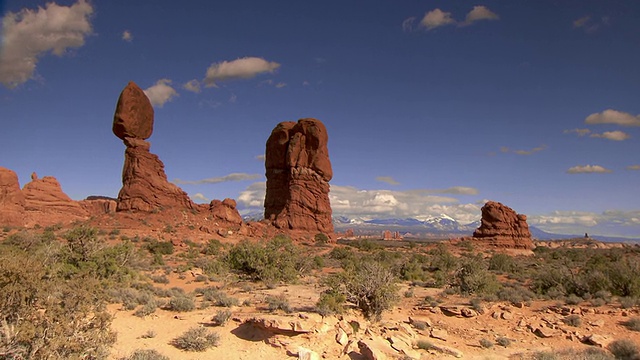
<point x="298" y="172"/>
<point x="12" y="201"/>
<point x="144" y="183"/>
<point x="134" y="114"/>
<point x="225" y="210"/>
<point x="502" y="227"/>
<point x="46" y="195"/>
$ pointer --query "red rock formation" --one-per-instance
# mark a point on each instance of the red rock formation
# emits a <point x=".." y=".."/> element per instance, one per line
<point x="298" y="172"/>
<point x="502" y="227"/>
<point x="12" y="201"/>
<point x="144" y="183"/>
<point x="46" y="195"/>
<point x="386" y="235"/>
<point x="99" y="206"/>
<point x="226" y="211"/>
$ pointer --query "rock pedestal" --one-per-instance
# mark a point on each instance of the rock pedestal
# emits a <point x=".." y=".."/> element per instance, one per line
<point x="144" y="183"/>
<point x="12" y="199"/>
<point x="298" y="172"/>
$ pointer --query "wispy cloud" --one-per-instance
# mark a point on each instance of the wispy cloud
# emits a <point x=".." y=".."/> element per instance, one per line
<point x="612" y="135"/>
<point x="161" y="92"/>
<point x="192" y="85"/>
<point x="199" y="197"/>
<point x="590" y="25"/>
<point x="459" y="190"/>
<point x="479" y="13"/>
<point x="280" y="85"/>
<point x="437" y="18"/>
<point x="504" y="149"/>
<point x="633" y="167"/>
<point x="387" y="179"/>
<point x="579" y="132"/>
<point x="220" y="179"/>
<point x="588" y="169"/>
<point x="261" y="157"/>
<point x="611" y="116"/>
<point x="624" y="223"/>
<point x="28" y="34"/>
<point x="127" y="36"/>
<point x="243" y="68"/>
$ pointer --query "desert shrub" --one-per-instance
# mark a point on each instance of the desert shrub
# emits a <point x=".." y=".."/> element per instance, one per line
<point x="145" y="354"/>
<point x="218" y="297"/>
<point x="473" y="277"/>
<point x="221" y="317"/>
<point x="515" y="294"/>
<point x="38" y="303"/>
<point x="442" y="259"/>
<point x="365" y="245"/>
<point x="159" y="279"/>
<point x="150" y="334"/>
<point x="159" y="247"/>
<point x="279" y="302"/>
<point x="212" y="247"/>
<point x="573" y="320"/>
<point x="501" y="263"/>
<point x="408" y="293"/>
<point x="196" y="339"/>
<point x="340" y="253"/>
<point x="476" y="304"/>
<point x="424" y="344"/>
<point x="486" y="344"/>
<point x="503" y="341"/>
<point x="544" y="355"/>
<point x="573" y="299"/>
<point x="597" y="302"/>
<point x="628" y="302"/>
<point x="321" y="239"/>
<point x="415" y="268"/>
<point x="201" y="278"/>
<point x="624" y="349"/>
<point x="211" y="266"/>
<point x="632" y="324"/>
<point x="146" y="309"/>
<point x="420" y="325"/>
<point x="277" y="260"/>
<point x="369" y="285"/>
<point x="181" y="304"/>
<point x="330" y="303"/>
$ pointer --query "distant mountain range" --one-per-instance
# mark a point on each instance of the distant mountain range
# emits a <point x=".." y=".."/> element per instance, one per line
<point x="434" y="227"/>
<point x="439" y="227"/>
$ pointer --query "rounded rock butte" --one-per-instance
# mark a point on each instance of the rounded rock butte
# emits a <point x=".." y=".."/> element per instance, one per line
<point x="134" y="114"/>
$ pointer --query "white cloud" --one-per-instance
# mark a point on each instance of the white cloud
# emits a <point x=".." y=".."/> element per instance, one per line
<point x="588" y="169"/>
<point x="127" y="36"/>
<point x="220" y="179"/>
<point x="261" y="157"/>
<point x="29" y="34"/>
<point x="280" y="85"/>
<point x="633" y="167"/>
<point x="612" y="135"/>
<point x="478" y="13"/>
<point x="192" y="85"/>
<point x="407" y="24"/>
<point x="589" y="25"/>
<point x="253" y="196"/>
<point x="579" y="132"/>
<point x="623" y="223"/>
<point x="233" y="98"/>
<point x="161" y="92"/>
<point x="244" y="68"/>
<point x="611" y="116"/>
<point x="436" y="18"/>
<point x="199" y="197"/>
<point x="387" y="179"/>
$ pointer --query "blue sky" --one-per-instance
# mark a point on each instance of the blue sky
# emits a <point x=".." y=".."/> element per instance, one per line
<point x="431" y="106"/>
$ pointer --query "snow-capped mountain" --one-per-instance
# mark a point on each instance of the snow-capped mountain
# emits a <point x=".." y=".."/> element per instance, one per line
<point x="434" y="225"/>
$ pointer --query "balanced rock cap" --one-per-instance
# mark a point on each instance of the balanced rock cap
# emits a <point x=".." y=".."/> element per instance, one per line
<point x="134" y="114"/>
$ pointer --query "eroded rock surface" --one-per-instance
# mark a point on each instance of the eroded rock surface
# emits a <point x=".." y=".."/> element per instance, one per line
<point x="502" y="227"/>
<point x="12" y="201"/>
<point x="46" y="195"/>
<point x="225" y="210"/>
<point x="298" y="172"/>
<point x="144" y="183"/>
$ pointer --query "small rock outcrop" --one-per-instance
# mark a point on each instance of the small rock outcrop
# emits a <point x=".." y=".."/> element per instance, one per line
<point x="298" y="172"/>
<point x="144" y="183"/>
<point x="502" y="227"/>
<point x="225" y="210"/>
<point x="12" y="201"/>
<point x="46" y="195"/>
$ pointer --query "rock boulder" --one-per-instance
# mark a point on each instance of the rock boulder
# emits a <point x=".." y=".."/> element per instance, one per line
<point x="12" y="201"/>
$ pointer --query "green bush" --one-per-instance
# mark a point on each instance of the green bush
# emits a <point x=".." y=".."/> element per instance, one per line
<point x="159" y="247"/>
<point x="330" y="303"/>
<point x="501" y="263"/>
<point x="218" y="297"/>
<point x="472" y="277"/>
<point x="278" y="260"/>
<point x="485" y="343"/>
<point x="503" y="341"/>
<point x="321" y="239"/>
<point x="632" y="324"/>
<point x="196" y="339"/>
